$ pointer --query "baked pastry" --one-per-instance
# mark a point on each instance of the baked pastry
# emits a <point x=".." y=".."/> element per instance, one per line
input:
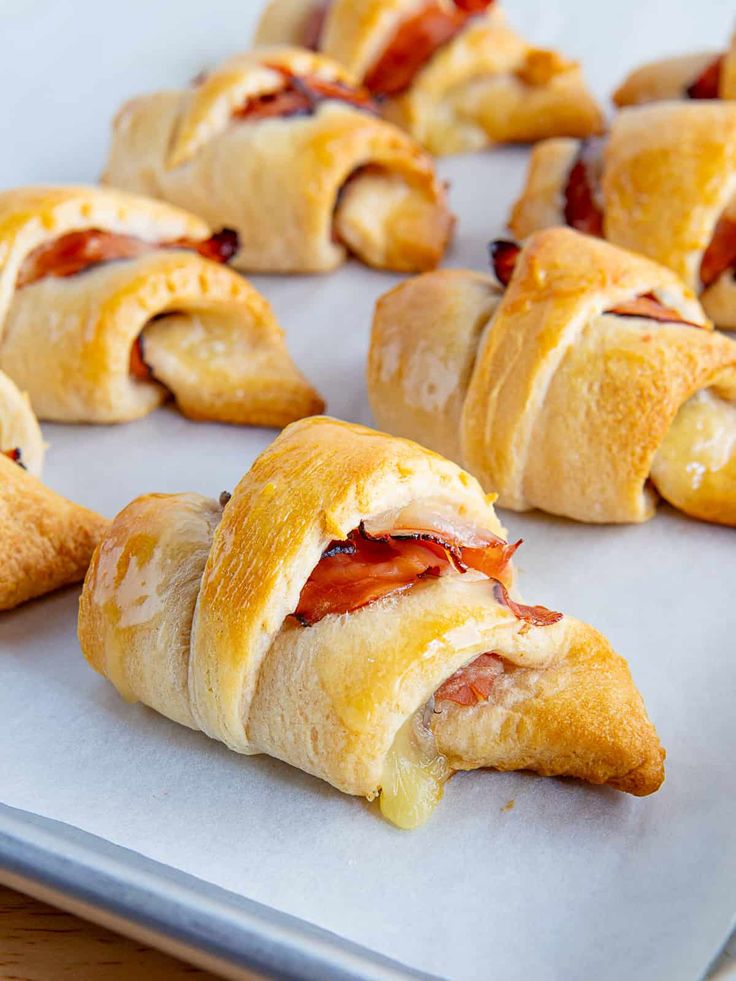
<point x="283" y="147"/>
<point x="20" y="434"/>
<point x="361" y="629"/>
<point x="110" y="304"/>
<point x="706" y="75"/>
<point x="46" y="542"/>
<point x="451" y="72"/>
<point x="662" y="184"/>
<point x="579" y="379"/>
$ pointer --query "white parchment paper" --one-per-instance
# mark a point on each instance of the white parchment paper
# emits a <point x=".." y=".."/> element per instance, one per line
<point x="571" y="882"/>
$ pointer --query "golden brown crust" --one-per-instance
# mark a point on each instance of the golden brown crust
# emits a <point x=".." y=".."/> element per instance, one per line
<point x="669" y="173"/>
<point x="540" y="356"/>
<point x="542" y="203"/>
<point x="223" y="356"/>
<point x="46" y="541"/>
<point x="188" y="609"/>
<point x="425" y="340"/>
<point x="19" y="429"/>
<point x="278" y="181"/>
<point x="485" y="86"/>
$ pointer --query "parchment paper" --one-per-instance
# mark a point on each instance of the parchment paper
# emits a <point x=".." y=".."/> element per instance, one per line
<point x="570" y="882"/>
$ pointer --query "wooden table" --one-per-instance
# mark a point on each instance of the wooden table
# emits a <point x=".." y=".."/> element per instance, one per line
<point x="40" y="943"/>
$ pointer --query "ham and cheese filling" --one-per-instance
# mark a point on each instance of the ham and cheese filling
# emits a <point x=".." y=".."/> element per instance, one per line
<point x="315" y="24"/>
<point x="15" y="455"/>
<point x="473" y="683"/>
<point x="504" y="256"/>
<point x="708" y="84"/>
<point x="583" y="209"/>
<point x="301" y="96"/>
<point x="385" y="556"/>
<point x="720" y="256"/>
<point x="76" y="252"/>
<point x="380" y="559"/>
<point x="582" y="195"/>
<point x="415" y="771"/>
<point x="415" y="42"/>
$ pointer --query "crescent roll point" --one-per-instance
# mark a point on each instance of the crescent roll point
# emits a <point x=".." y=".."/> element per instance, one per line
<point x="281" y="145"/>
<point x="450" y="72"/>
<point x="588" y="383"/>
<point x="347" y="611"/>
<point x="663" y="183"/>
<point x="705" y="75"/>
<point x="20" y="434"/>
<point x="111" y="303"/>
<point x="46" y="541"/>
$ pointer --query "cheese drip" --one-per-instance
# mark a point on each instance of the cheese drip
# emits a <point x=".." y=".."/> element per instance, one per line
<point x="695" y="467"/>
<point x="414" y="774"/>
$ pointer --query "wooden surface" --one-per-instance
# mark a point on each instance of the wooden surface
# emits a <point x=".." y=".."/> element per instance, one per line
<point x="40" y="943"/>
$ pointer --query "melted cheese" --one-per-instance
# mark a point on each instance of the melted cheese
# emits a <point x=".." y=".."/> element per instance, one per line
<point x="414" y="775"/>
<point x="695" y="468"/>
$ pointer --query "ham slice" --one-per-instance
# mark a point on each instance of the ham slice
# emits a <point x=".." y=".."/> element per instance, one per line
<point x="582" y="211"/>
<point x="366" y="567"/>
<point x="302" y="96"/>
<point x="315" y="24"/>
<point x="648" y="306"/>
<point x="708" y="84"/>
<point x="416" y="41"/>
<point x="504" y="256"/>
<point x="74" y="252"/>
<point x="473" y="683"/>
<point x="720" y="256"/>
<point x="536" y="616"/>
<point x="14" y="455"/>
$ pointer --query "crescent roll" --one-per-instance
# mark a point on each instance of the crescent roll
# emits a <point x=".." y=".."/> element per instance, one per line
<point x="110" y="304"/>
<point x="46" y="542"/>
<point x="580" y="379"/>
<point x="282" y="146"/>
<point x="348" y="611"/>
<point x="706" y="75"/>
<point x="663" y="184"/>
<point x="450" y="72"/>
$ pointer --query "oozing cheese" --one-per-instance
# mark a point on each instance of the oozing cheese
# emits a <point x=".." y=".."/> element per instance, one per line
<point x="414" y="775"/>
<point x="695" y="468"/>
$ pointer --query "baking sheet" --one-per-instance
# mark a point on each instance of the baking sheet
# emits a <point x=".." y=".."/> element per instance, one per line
<point x="572" y="881"/>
